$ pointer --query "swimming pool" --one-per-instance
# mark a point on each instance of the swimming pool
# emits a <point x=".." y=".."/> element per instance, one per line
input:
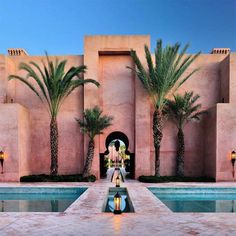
<point x="197" y="199"/>
<point x="38" y="199"/>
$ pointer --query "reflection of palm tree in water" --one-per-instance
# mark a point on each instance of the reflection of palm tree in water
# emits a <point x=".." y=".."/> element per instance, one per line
<point x="54" y="205"/>
<point x="232" y="206"/>
<point x="2" y="206"/>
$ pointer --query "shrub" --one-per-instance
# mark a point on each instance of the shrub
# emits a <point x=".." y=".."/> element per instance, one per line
<point x="164" y="179"/>
<point x="57" y="178"/>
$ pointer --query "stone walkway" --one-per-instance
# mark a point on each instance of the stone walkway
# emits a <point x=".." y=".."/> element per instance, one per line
<point x="85" y="216"/>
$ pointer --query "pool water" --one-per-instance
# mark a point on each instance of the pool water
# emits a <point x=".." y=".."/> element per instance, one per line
<point x="26" y="199"/>
<point x="197" y="199"/>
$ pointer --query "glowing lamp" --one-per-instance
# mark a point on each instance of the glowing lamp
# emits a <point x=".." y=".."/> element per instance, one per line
<point x="2" y="159"/>
<point x="117" y="204"/>
<point x="233" y="158"/>
<point x="233" y="155"/>
<point x="1" y="155"/>
<point x="117" y="181"/>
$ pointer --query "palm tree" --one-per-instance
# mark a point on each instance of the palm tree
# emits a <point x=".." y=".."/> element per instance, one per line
<point x="182" y="110"/>
<point x="52" y="85"/>
<point x="160" y="79"/>
<point x="92" y="124"/>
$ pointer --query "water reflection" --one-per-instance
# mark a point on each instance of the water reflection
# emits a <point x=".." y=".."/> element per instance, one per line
<point x="2" y="206"/>
<point x="35" y="205"/>
<point x="54" y="206"/>
<point x="200" y="205"/>
<point x="117" y="224"/>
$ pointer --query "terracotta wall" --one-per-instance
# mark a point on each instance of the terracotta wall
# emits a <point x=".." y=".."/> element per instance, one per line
<point x="232" y="78"/>
<point x="224" y="80"/>
<point x="94" y="47"/>
<point x="226" y="140"/>
<point x="15" y="136"/>
<point x="210" y="139"/>
<point x="117" y="96"/>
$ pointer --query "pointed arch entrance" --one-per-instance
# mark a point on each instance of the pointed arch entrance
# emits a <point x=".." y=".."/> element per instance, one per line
<point x="112" y="139"/>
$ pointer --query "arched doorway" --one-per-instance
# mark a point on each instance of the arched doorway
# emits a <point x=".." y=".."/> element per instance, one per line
<point x="126" y="159"/>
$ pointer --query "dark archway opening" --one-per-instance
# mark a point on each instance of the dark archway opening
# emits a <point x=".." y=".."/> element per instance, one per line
<point x="126" y="158"/>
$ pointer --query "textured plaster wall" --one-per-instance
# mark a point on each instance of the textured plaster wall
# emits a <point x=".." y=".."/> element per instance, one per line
<point x="24" y="137"/>
<point x="210" y="136"/>
<point x="95" y="45"/>
<point x="117" y="96"/>
<point x="232" y="78"/>
<point x="226" y="140"/>
<point x="224" y="80"/>
<point x="15" y="135"/>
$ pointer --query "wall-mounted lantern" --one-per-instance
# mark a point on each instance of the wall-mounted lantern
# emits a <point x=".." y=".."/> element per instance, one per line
<point x="233" y="158"/>
<point x="118" y="181"/>
<point x="117" y="204"/>
<point x="2" y="155"/>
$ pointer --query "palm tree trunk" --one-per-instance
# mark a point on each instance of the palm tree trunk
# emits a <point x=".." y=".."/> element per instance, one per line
<point x="89" y="158"/>
<point x="54" y="146"/>
<point x="180" y="153"/>
<point x="157" y="136"/>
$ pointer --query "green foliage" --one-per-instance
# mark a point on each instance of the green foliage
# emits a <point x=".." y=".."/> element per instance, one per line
<point x="165" y="179"/>
<point x="164" y="75"/>
<point x="57" y="178"/>
<point x="183" y="109"/>
<point x="53" y="84"/>
<point x="94" y="123"/>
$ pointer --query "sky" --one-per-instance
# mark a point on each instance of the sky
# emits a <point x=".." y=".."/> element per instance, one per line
<point x="59" y="26"/>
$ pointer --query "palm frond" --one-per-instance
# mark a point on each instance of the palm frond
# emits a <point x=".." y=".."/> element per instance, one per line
<point x="166" y="74"/>
<point x="183" y="109"/>
<point x="27" y="83"/>
<point x="93" y="122"/>
<point x="54" y="83"/>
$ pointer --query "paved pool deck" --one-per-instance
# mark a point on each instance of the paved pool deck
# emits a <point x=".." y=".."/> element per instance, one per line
<point x="85" y="216"/>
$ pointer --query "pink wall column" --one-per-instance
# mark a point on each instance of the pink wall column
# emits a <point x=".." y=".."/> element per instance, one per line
<point x="226" y="140"/>
<point x="210" y="135"/>
<point x="15" y="136"/>
<point x="232" y="77"/>
<point x="117" y="96"/>
<point x="224" y="80"/>
<point x="118" y="45"/>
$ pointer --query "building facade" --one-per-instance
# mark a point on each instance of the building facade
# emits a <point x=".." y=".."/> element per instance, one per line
<point x="24" y="121"/>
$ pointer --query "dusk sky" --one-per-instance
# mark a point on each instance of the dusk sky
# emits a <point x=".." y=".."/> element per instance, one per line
<point x="59" y="26"/>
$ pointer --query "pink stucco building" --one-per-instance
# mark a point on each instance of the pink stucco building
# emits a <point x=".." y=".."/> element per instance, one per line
<point x="24" y="121"/>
